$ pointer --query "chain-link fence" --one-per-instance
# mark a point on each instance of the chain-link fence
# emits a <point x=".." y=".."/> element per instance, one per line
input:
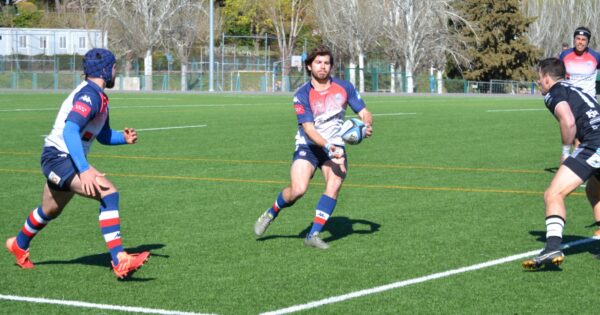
<point x="233" y="74"/>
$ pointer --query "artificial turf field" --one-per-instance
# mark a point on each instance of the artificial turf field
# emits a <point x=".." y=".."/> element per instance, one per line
<point x="444" y="183"/>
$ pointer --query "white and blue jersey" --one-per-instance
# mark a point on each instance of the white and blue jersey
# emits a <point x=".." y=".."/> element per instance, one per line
<point x="87" y="106"/>
<point x="582" y="69"/>
<point x="326" y="109"/>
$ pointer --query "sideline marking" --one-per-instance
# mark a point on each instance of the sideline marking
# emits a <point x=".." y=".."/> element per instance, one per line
<point x="385" y="166"/>
<point x="161" y="128"/>
<point x="514" y="110"/>
<point x="404" y="283"/>
<point x="280" y="182"/>
<point x="168" y="128"/>
<point x="94" y="305"/>
<point x="142" y="106"/>
<point x="393" y="114"/>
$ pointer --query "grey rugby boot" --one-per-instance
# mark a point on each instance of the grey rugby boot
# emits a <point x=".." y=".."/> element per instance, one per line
<point x="552" y="257"/>
<point x="315" y="241"/>
<point x="262" y="223"/>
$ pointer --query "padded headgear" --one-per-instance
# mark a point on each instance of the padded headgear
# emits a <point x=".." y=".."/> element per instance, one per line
<point x="98" y="63"/>
<point x="582" y="30"/>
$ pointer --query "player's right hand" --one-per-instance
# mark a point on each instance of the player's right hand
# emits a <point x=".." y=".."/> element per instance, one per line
<point x="89" y="181"/>
<point x="333" y="151"/>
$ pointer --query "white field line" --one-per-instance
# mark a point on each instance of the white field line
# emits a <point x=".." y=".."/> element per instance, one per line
<point x="141" y="107"/>
<point x="404" y="283"/>
<point x="394" y="114"/>
<point x="514" y="110"/>
<point x="168" y="128"/>
<point x="162" y="128"/>
<point x="94" y="305"/>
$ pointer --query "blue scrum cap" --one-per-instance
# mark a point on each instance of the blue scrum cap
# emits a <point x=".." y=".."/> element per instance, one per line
<point x="98" y="63"/>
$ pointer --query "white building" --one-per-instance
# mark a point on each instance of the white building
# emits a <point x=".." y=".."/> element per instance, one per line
<point x="45" y="41"/>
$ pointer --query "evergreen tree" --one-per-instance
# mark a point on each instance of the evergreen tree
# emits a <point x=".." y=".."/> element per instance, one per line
<point x="501" y="50"/>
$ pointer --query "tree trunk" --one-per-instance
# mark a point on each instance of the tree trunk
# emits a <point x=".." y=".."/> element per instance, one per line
<point x="440" y="82"/>
<point x="409" y="77"/>
<point x="184" y="76"/>
<point x="361" y="72"/>
<point x="352" y="73"/>
<point x="148" y="70"/>
<point x="392" y="79"/>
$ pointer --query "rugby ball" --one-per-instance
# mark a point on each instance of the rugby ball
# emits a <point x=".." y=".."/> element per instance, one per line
<point x="353" y="131"/>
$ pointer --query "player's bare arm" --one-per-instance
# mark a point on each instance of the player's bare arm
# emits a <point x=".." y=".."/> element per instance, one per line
<point x="566" y="121"/>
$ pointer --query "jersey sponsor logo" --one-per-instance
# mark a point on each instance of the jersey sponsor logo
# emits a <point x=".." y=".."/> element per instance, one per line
<point x="594" y="160"/>
<point x="82" y="108"/>
<point x="299" y="109"/>
<point x="592" y="113"/>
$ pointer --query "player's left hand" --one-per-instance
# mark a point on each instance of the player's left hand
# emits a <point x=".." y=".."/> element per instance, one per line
<point x="130" y="135"/>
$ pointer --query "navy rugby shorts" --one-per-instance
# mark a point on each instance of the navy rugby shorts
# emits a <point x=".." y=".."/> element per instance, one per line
<point x="585" y="162"/>
<point x="315" y="154"/>
<point x="58" y="168"/>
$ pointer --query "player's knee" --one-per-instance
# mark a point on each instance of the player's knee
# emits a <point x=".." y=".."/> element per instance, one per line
<point x="297" y="191"/>
<point x="551" y="195"/>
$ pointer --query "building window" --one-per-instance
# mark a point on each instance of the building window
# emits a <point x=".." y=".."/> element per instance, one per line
<point x="82" y="42"/>
<point x="43" y="42"/>
<point x="22" y="41"/>
<point x="62" y="42"/>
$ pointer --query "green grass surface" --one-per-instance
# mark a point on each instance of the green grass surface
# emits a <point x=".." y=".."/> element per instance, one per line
<point x="445" y="185"/>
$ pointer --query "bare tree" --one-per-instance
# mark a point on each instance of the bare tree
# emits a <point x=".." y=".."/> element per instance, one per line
<point x="350" y="26"/>
<point x="142" y="24"/>
<point x="288" y="19"/>
<point x="556" y="21"/>
<point x="413" y="28"/>
<point x="186" y="28"/>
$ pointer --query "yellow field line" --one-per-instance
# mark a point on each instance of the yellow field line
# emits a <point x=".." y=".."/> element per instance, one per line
<point x="384" y="166"/>
<point x="279" y="182"/>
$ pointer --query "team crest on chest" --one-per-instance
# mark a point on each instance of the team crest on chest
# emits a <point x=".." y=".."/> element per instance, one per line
<point x="339" y="99"/>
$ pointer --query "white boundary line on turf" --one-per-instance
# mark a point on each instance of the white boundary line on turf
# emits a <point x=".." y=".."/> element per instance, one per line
<point x="94" y="305"/>
<point x="162" y="128"/>
<point x="404" y="283"/>
<point x="143" y="106"/>
<point x="168" y="128"/>
<point x="514" y="110"/>
<point x="393" y="114"/>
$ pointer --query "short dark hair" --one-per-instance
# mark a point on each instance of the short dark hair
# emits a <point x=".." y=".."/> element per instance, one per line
<point x="320" y="50"/>
<point x="553" y="67"/>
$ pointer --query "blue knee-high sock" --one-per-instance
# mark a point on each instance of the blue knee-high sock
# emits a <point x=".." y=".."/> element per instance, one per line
<point x="325" y="208"/>
<point x="35" y="222"/>
<point x="279" y="204"/>
<point x="110" y="225"/>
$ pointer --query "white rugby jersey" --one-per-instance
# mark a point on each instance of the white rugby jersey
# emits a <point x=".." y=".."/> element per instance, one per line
<point x="87" y="106"/>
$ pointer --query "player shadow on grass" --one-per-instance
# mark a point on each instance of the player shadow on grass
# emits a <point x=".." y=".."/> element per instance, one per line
<point x="104" y="259"/>
<point x="338" y="227"/>
<point x="593" y="247"/>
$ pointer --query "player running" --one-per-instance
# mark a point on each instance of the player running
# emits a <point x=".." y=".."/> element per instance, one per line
<point x="320" y="106"/>
<point x="578" y="116"/>
<point x="82" y="118"/>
